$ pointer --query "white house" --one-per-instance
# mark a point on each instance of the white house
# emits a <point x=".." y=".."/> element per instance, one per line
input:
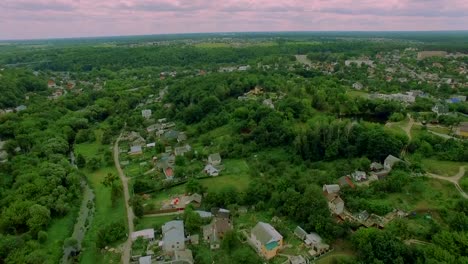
<point x="146" y="113"/>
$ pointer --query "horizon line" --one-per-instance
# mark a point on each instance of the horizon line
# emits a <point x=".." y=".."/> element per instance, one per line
<point x="230" y="32"/>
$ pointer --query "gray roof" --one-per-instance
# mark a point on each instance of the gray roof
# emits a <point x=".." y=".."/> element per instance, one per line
<point x="391" y="160"/>
<point x="135" y="149"/>
<point x="215" y="157"/>
<point x="331" y="188"/>
<point x="173" y="231"/>
<point x="266" y="233"/>
<point x="144" y="260"/>
<point x="299" y="232"/>
<point x="204" y="214"/>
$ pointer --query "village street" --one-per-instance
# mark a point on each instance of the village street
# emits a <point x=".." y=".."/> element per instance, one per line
<point x="128" y="244"/>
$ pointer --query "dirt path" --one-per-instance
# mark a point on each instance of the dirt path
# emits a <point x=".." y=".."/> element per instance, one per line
<point x="454" y="179"/>
<point x="417" y="242"/>
<point x="128" y="244"/>
<point x="408" y="127"/>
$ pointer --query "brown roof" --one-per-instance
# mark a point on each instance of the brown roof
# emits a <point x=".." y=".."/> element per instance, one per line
<point x="464" y="127"/>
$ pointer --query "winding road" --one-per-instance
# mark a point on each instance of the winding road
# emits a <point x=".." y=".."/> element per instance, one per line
<point x="130" y="216"/>
<point x="454" y="179"/>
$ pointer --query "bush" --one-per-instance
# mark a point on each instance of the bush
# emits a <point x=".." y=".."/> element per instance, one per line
<point x="42" y="236"/>
<point x="110" y="233"/>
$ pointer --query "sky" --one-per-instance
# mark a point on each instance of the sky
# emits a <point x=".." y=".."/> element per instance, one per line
<point x="32" y="19"/>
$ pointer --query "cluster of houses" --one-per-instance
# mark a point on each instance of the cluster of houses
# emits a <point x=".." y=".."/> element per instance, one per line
<point x="173" y="244"/>
<point x="234" y="68"/>
<point x="13" y="110"/>
<point x="257" y="92"/>
<point x="337" y="205"/>
<point x="62" y="84"/>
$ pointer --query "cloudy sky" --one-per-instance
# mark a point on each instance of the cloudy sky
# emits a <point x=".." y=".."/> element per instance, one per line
<point x="26" y="19"/>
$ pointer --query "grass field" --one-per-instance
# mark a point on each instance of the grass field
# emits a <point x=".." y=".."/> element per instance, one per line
<point x="153" y="222"/>
<point x="58" y="231"/>
<point x="236" y="174"/>
<point x="440" y="167"/>
<point x="105" y="211"/>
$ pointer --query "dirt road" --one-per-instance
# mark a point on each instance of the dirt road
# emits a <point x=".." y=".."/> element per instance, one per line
<point x="454" y="179"/>
<point x="128" y="244"/>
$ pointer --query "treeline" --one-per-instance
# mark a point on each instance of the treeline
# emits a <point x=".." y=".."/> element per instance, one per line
<point x="15" y="84"/>
<point x="87" y="58"/>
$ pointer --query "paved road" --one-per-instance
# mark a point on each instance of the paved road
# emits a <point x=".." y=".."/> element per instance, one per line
<point x="454" y="179"/>
<point x="128" y="244"/>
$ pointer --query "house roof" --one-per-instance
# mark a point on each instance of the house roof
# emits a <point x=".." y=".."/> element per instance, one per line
<point x="151" y="145"/>
<point x="184" y="255"/>
<point x="146" y="233"/>
<point x="376" y="166"/>
<point x="313" y="238"/>
<point x="345" y="180"/>
<point x="299" y="232"/>
<point x="222" y="225"/>
<point x="135" y="149"/>
<point x="215" y="157"/>
<point x="204" y="214"/>
<point x="297" y="260"/>
<point x="391" y="160"/>
<point x="463" y="127"/>
<point x="266" y="233"/>
<point x="144" y="260"/>
<point x="331" y="188"/>
<point x="173" y="231"/>
<point x="169" y="172"/>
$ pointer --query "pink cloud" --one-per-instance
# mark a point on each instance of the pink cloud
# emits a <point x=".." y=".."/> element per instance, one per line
<point x="75" y="18"/>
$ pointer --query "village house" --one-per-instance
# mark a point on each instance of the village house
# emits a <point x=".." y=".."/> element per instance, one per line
<point x="182" y="257"/>
<point x="312" y="240"/>
<point x="335" y="203"/>
<point x="269" y="103"/>
<point x="154" y="127"/>
<point x="298" y="260"/>
<point x="173" y="237"/>
<point x="169" y="173"/>
<point x="390" y="161"/>
<point x="359" y="176"/>
<point x="214" y="159"/>
<point x="135" y="150"/>
<point x="440" y="109"/>
<point x="358" y="86"/>
<point x="146" y="113"/>
<point x="151" y="145"/>
<point x="211" y="170"/>
<point x="147" y="234"/>
<point x="266" y="240"/>
<point x="214" y="232"/>
<point x="179" y="203"/>
<point x="180" y="151"/>
<point x="346" y="181"/>
<point x="359" y="63"/>
<point x="181" y="137"/>
<point x="51" y="84"/>
<point x="171" y="135"/>
<point x="462" y="130"/>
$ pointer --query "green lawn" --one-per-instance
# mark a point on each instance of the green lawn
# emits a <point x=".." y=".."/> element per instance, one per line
<point x="58" y="231"/>
<point x="236" y="174"/>
<point x="440" y="167"/>
<point x="334" y="257"/>
<point x="105" y="211"/>
<point x="441" y="130"/>
<point x="154" y="222"/>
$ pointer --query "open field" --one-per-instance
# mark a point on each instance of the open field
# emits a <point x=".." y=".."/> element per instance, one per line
<point x="154" y="221"/>
<point x="58" y="231"/>
<point x="443" y="168"/>
<point x="105" y="211"/>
